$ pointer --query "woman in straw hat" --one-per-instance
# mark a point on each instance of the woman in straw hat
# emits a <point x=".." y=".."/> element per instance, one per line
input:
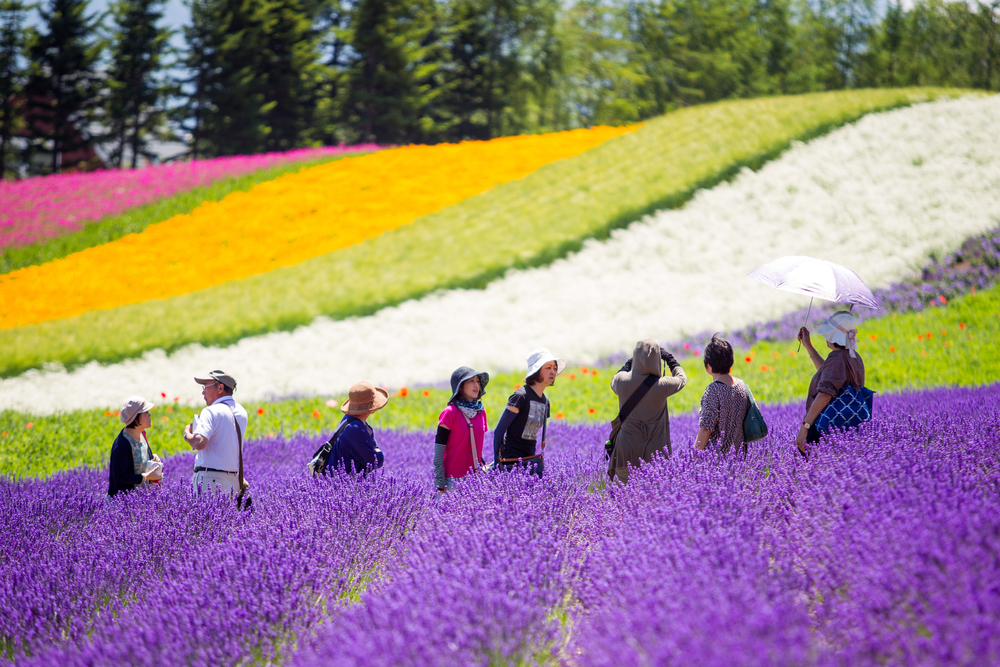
<point x="842" y="365"/>
<point x="132" y="462"/>
<point x="356" y="450"/>
<point x="528" y="409"/>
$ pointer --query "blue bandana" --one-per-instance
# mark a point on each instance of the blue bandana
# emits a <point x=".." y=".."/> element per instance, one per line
<point x="469" y="408"/>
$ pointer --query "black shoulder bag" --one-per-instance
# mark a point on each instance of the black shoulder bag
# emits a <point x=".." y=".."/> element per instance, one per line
<point x="322" y="455"/>
<point x="625" y="411"/>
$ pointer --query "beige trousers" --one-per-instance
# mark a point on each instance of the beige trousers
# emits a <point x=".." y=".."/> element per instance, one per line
<point x="226" y="482"/>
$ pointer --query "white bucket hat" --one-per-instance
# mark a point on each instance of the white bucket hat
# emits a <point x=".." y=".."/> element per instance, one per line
<point x="841" y="328"/>
<point x="539" y="358"/>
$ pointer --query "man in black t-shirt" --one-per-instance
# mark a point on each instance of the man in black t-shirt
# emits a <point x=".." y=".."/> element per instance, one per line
<point x="515" y="437"/>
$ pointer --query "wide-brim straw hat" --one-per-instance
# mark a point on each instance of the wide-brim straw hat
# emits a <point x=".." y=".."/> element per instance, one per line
<point x="539" y="358"/>
<point x="364" y="397"/>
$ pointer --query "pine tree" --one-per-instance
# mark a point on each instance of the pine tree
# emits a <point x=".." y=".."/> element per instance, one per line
<point x="389" y="83"/>
<point x="62" y="89"/>
<point x="12" y="72"/>
<point x="253" y="74"/>
<point x="134" y="105"/>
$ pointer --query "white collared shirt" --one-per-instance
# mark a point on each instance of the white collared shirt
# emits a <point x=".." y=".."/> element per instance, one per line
<point x="215" y="423"/>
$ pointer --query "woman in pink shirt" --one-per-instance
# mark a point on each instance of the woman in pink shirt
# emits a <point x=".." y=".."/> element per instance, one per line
<point x="458" y="446"/>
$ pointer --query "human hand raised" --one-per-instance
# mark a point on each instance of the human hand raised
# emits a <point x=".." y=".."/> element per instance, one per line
<point x="804" y="337"/>
<point x="669" y="359"/>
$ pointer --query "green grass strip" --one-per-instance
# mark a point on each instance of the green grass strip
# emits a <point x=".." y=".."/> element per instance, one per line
<point x="953" y="356"/>
<point x="529" y="222"/>
<point x="137" y="219"/>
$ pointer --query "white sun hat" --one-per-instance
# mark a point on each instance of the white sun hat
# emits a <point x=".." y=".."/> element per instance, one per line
<point x="539" y="358"/>
<point x="841" y="328"/>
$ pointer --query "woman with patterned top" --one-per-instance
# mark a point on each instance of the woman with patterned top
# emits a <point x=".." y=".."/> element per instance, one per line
<point x="725" y="402"/>
<point x="130" y="453"/>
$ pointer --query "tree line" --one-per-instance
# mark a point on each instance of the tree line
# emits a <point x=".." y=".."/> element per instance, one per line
<point x="271" y="75"/>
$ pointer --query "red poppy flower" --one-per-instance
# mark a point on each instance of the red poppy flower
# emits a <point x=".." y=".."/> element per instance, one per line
<point x="260" y="411"/>
<point x="316" y="414"/>
<point x="29" y="425"/>
<point x="748" y="359"/>
<point x="560" y="415"/>
<point x="163" y="394"/>
<point x="961" y="325"/>
<point x="591" y="411"/>
<point x="404" y="392"/>
<point x="572" y="376"/>
<point x="425" y="392"/>
<point x="892" y="349"/>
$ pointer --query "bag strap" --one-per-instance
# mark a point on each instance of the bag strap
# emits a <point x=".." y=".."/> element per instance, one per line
<point x="636" y="396"/>
<point x="753" y="401"/>
<point x="239" y="436"/>
<point x="472" y="442"/>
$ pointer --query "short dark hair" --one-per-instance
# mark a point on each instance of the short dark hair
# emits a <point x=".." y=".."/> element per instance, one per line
<point x="534" y="378"/>
<point x="135" y="421"/>
<point x="719" y="354"/>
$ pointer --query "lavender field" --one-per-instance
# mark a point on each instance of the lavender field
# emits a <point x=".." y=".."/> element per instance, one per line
<point x="883" y="548"/>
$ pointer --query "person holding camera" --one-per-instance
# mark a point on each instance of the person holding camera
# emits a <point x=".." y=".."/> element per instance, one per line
<point x="646" y="431"/>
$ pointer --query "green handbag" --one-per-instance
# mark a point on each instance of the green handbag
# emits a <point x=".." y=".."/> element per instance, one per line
<point x="754" y="427"/>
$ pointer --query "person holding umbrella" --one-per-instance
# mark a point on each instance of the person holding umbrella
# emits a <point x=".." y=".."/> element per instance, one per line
<point x="817" y="278"/>
<point x="843" y="365"/>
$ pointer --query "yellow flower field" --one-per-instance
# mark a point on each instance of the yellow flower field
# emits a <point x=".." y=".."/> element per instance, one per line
<point x="279" y="223"/>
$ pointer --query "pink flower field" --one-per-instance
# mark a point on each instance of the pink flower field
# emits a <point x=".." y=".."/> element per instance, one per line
<point x="35" y="209"/>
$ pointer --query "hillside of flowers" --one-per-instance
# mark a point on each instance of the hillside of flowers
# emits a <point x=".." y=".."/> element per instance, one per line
<point x="879" y="195"/>
<point x="881" y="549"/>
<point x="321" y="209"/>
<point x="530" y="221"/>
<point x="44" y="207"/>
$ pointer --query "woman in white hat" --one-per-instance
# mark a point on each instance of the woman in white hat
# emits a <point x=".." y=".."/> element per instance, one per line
<point x="842" y="365"/>
<point x="528" y="409"/>
<point x="355" y="448"/>
<point x="132" y="461"/>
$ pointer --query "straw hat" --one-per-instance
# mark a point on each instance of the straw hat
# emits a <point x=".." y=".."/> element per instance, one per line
<point x="364" y="397"/>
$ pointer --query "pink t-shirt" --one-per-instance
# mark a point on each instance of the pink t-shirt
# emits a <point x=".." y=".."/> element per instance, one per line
<point x="458" y="452"/>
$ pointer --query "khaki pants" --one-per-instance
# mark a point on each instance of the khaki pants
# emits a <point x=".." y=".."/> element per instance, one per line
<point x="226" y="482"/>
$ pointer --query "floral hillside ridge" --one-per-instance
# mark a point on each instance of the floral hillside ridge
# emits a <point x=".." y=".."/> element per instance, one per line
<point x="776" y="550"/>
<point x="40" y="208"/>
<point x="279" y="223"/>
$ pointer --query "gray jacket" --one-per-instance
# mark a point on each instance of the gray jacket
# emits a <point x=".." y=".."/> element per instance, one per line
<point x="647" y="429"/>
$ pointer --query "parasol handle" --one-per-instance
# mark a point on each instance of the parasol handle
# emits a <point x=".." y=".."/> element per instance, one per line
<point x="806" y="321"/>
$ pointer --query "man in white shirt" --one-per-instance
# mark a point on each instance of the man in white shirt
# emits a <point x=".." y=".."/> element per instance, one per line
<point x="214" y="435"/>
